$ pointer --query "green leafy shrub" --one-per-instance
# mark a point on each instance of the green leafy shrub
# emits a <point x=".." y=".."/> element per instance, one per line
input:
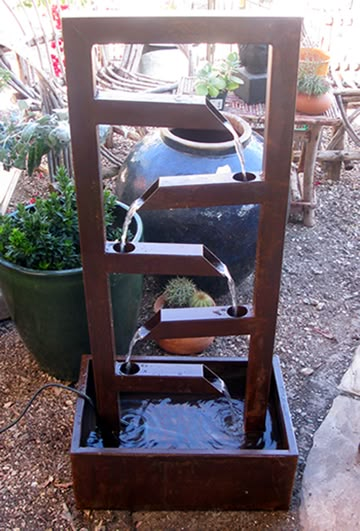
<point x="45" y="235"/>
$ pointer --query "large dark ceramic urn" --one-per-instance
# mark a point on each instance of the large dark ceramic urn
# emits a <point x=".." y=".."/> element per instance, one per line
<point x="231" y="231"/>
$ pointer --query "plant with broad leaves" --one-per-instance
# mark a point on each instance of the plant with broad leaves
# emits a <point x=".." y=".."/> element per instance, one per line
<point x="228" y="69"/>
<point x="214" y="79"/>
<point x="209" y="82"/>
<point x="23" y="143"/>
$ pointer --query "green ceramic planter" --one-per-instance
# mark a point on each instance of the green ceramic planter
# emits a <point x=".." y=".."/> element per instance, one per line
<point x="48" y="309"/>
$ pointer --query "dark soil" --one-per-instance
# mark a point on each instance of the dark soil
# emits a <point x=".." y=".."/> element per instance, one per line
<point x="318" y="331"/>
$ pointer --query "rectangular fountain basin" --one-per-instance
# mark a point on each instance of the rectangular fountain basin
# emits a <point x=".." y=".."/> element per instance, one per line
<point x="174" y="465"/>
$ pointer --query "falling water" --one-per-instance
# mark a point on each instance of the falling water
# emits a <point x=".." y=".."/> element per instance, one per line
<point x="221" y="386"/>
<point x="238" y="146"/>
<point x="140" y="334"/>
<point x="224" y="270"/>
<point x="133" y="208"/>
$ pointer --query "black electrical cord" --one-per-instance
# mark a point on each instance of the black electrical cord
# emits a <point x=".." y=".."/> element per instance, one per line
<point x="46" y="386"/>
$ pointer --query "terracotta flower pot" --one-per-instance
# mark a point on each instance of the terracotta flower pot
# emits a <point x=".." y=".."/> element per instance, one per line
<point x="181" y="345"/>
<point x="313" y="104"/>
<point x="317" y="58"/>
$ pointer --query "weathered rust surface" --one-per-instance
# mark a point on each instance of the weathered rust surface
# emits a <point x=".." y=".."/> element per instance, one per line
<point x="160" y="258"/>
<point x="234" y="479"/>
<point x="135" y="479"/>
<point x="139" y="109"/>
<point x="197" y="322"/>
<point x="189" y="191"/>
<point x="180" y="378"/>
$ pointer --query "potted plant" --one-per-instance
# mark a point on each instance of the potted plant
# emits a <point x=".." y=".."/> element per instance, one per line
<point x="181" y="292"/>
<point x="41" y="278"/>
<point x="215" y="81"/>
<point x="313" y="95"/>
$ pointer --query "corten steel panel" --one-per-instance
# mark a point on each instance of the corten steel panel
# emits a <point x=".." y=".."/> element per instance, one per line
<point x="159" y="258"/>
<point x="139" y="109"/>
<point x="86" y="111"/>
<point x="189" y="191"/>
<point x="138" y="478"/>
<point x="180" y="378"/>
<point x="196" y="322"/>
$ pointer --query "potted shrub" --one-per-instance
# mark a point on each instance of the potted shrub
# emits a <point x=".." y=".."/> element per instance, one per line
<point x="181" y="292"/>
<point x="215" y="81"/>
<point x="41" y="278"/>
<point x="313" y="95"/>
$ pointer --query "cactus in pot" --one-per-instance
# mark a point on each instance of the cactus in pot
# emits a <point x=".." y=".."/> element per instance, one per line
<point x="181" y="292"/>
<point x="201" y="299"/>
<point x="178" y="292"/>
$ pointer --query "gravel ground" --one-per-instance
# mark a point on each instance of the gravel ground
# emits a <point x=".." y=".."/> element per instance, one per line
<point x="318" y="331"/>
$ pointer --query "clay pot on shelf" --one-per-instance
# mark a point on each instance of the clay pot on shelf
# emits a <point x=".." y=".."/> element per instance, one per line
<point x="313" y="105"/>
<point x="317" y="58"/>
<point x="313" y="92"/>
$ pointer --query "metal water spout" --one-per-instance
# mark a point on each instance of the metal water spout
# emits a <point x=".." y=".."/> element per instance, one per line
<point x="159" y="110"/>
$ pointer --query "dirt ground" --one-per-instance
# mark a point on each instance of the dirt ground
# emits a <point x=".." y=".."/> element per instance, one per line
<point x="318" y="331"/>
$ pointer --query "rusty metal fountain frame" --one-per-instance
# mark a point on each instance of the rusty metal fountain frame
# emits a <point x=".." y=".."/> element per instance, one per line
<point x="95" y="481"/>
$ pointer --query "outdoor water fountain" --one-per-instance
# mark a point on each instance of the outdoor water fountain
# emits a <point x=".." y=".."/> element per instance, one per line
<point x="182" y="433"/>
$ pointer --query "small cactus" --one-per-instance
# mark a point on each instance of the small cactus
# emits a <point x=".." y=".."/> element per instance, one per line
<point x="200" y="299"/>
<point x="178" y="292"/>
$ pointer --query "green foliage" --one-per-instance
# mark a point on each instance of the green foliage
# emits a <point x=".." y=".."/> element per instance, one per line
<point x="209" y="82"/>
<point x="312" y="85"/>
<point x="229" y="67"/>
<point x="5" y="77"/>
<point x="309" y="82"/>
<point x="181" y="292"/>
<point x="24" y="143"/>
<point x="213" y="79"/>
<point x="45" y="235"/>
<point x="200" y="299"/>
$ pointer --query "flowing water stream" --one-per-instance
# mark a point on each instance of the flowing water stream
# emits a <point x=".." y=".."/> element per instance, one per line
<point x="133" y="208"/>
<point x="224" y="271"/>
<point x="221" y="386"/>
<point x="140" y="334"/>
<point x="238" y="145"/>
